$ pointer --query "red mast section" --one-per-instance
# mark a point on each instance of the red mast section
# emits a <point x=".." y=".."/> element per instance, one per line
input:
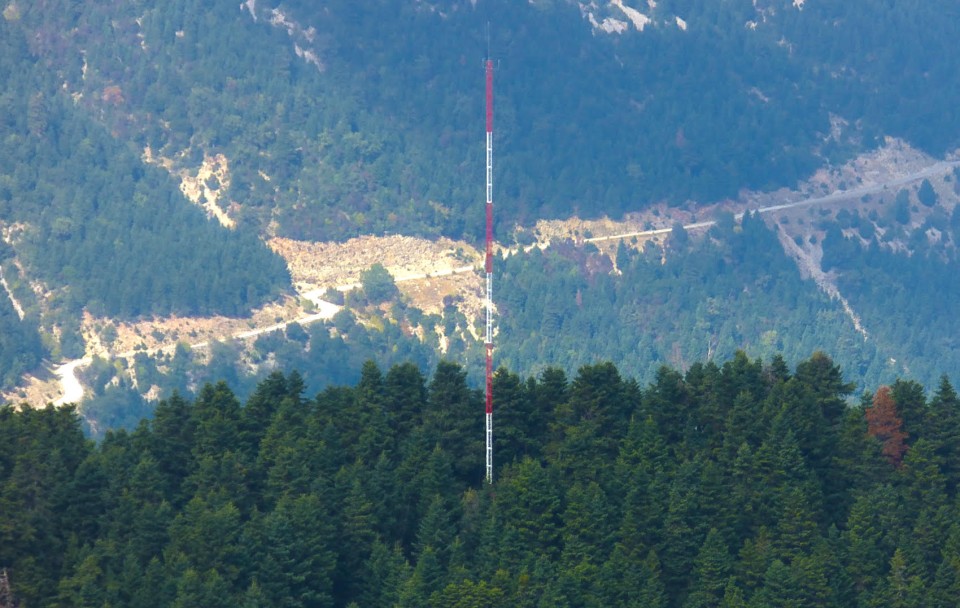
<point x="488" y="342"/>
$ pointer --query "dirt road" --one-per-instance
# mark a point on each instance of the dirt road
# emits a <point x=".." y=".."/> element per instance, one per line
<point x="841" y="195"/>
<point x="72" y="390"/>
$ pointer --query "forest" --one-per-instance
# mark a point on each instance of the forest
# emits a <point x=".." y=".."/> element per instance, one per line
<point x="730" y="289"/>
<point x="695" y="298"/>
<point x="903" y="297"/>
<point x="97" y="230"/>
<point x="103" y="230"/>
<point x="741" y="483"/>
<point x="362" y="118"/>
<point x="20" y="345"/>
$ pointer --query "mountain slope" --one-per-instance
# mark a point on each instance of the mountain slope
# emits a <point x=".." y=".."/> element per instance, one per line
<point x="356" y="118"/>
<point x="92" y="227"/>
<point x="349" y="117"/>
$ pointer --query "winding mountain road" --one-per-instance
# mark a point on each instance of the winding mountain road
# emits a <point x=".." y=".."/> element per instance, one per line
<point x="835" y="197"/>
<point x="72" y="390"/>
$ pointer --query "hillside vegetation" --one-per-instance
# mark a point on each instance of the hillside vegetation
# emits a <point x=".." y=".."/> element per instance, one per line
<point x="734" y="484"/>
<point x="696" y="297"/>
<point x="348" y="118"/>
<point x="90" y="227"/>
<point x="343" y="119"/>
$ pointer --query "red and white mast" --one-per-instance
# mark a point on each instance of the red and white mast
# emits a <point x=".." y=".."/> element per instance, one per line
<point x="488" y="341"/>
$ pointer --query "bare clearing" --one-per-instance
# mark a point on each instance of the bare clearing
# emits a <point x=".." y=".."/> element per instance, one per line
<point x="205" y="186"/>
<point x="36" y="389"/>
<point x="161" y="333"/>
<point x="639" y="20"/>
<point x="464" y="289"/>
<point x="425" y="271"/>
<point x="323" y="265"/>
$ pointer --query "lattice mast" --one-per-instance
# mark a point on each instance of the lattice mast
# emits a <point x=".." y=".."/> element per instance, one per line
<point x="488" y="341"/>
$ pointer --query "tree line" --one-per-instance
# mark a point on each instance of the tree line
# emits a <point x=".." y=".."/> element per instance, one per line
<point x="741" y="483"/>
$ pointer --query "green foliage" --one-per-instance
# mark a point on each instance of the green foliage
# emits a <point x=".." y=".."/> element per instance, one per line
<point x="374" y="137"/>
<point x="107" y="231"/>
<point x="734" y="289"/>
<point x="359" y="497"/>
<point x="377" y="284"/>
<point x="20" y="346"/>
<point x="927" y="195"/>
<point x="903" y="301"/>
<point x="330" y="138"/>
<point x="901" y="209"/>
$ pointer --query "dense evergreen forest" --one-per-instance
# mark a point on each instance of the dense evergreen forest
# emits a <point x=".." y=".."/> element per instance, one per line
<point x="20" y="346"/>
<point x="903" y="297"/>
<point x="735" y="484"/>
<point x="105" y="231"/>
<point x="699" y="296"/>
<point x="352" y="118"/>
<point x="98" y="229"/>
<point x="115" y="234"/>
<point x="348" y="118"/>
